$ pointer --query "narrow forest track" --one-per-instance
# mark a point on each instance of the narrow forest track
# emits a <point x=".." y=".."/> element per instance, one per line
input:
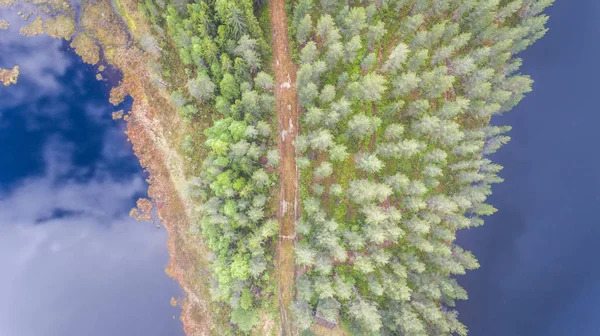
<point x="287" y="119"/>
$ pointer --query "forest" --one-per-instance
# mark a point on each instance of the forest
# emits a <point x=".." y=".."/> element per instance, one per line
<point x="229" y="84"/>
<point x="395" y="99"/>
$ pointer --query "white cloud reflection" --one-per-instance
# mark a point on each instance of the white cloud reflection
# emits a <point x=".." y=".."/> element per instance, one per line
<point x="73" y="263"/>
<point x="86" y="269"/>
<point x="40" y="58"/>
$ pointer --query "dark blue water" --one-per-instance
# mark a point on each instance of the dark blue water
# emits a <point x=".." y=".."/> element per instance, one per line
<point x="539" y="253"/>
<point x="73" y="263"/>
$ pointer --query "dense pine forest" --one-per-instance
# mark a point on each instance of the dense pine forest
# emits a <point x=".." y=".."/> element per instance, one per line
<point x="229" y="85"/>
<point x="395" y="100"/>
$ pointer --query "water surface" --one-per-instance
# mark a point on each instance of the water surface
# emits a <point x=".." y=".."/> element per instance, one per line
<point x="539" y="272"/>
<point x="73" y="261"/>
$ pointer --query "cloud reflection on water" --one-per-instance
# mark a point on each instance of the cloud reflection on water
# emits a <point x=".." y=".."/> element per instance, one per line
<point x="73" y="262"/>
<point x="41" y="59"/>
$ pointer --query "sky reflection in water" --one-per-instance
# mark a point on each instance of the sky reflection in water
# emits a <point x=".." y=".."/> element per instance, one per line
<point x="539" y="272"/>
<point x="73" y="262"/>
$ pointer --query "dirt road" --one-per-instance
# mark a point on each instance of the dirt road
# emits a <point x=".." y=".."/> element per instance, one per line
<point x="287" y="119"/>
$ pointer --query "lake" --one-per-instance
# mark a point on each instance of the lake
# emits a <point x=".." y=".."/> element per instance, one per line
<point x="539" y="273"/>
<point x="73" y="261"/>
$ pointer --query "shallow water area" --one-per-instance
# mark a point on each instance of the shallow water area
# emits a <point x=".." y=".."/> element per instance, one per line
<point x="74" y="262"/>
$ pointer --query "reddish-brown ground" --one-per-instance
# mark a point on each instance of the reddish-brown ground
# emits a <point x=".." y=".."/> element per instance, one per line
<point x="173" y="215"/>
<point x="151" y="129"/>
<point x="287" y="119"/>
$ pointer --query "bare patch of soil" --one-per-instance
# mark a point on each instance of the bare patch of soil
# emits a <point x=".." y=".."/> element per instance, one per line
<point x="287" y="119"/>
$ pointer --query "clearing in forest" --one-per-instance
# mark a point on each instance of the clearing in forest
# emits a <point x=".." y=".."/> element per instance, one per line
<point x="287" y="119"/>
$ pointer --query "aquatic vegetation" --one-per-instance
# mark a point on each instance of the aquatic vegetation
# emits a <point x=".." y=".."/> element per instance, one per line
<point x="86" y="47"/>
<point x="61" y="5"/>
<point x="99" y="20"/>
<point x="7" y="3"/>
<point x="8" y="77"/>
<point x="34" y="28"/>
<point x="60" y="26"/>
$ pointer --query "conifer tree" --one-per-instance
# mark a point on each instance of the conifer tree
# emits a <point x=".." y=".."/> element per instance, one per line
<point x="396" y="101"/>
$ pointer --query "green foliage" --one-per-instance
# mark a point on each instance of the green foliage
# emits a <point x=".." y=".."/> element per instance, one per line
<point x="188" y="112"/>
<point x="223" y="45"/>
<point x="303" y="316"/>
<point x="397" y="97"/>
<point x="201" y="87"/>
<point x="245" y="319"/>
<point x="396" y="101"/>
